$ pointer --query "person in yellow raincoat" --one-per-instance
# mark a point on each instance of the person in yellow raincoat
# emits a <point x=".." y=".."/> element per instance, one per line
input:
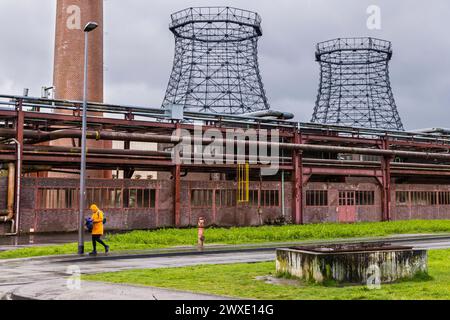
<point x="97" y="230"/>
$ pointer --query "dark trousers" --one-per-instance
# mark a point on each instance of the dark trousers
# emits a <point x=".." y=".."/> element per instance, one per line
<point x="95" y="239"/>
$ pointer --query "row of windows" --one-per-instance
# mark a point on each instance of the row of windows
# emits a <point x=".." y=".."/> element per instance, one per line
<point x="270" y="198"/>
<point x="106" y="198"/>
<point x="423" y="198"/>
<point x="365" y="198"/>
<point x="109" y="198"/>
<point x="227" y="198"/>
<point x="317" y="198"/>
<point x="358" y="198"/>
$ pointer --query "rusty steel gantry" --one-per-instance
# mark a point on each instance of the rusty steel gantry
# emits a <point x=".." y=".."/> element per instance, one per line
<point x="311" y="150"/>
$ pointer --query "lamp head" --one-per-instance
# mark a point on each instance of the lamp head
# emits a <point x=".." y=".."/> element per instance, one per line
<point x="90" y="26"/>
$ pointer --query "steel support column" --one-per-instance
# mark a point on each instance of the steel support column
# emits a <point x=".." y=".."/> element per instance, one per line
<point x="298" y="182"/>
<point x="386" y="187"/>
<point x="19" y="160"/>
<point x="176" y="174"/>
<point x="177" y="194"/>
<point x="128" y="173"/>
<point x="386" y="183"/>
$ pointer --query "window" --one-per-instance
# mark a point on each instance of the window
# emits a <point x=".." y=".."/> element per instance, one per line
<point x="365" y="198"/>
<point x="225" y="198"/>
<point x="270" y="198"/>
<point x="346" y="198"/>
<point x="201" y="198"/>
<point x="402" y="198"/>
<point x="253" y="199"/>
<point x="423" y="198"/>
<point x="139" y="198"/>
<point x="444" y="198"/>
<point x="370" y="158"/>
<point x="61" y="198"/>
<point x="114" y="198"/>
<point x="96" y="195"/>
<point x="105" y="198"/>
<point x="316" y="198"/>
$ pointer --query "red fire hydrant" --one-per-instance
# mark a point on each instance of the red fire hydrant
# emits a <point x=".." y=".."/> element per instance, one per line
<point x="201" y="232"/>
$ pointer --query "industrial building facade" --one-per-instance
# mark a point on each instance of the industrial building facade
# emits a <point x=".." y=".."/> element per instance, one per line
<point x="326" y="173"/>
<point x="134" y="204"/>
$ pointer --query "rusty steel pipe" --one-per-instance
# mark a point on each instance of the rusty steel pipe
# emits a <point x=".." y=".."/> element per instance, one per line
<point x="124" y="152"/>
<point x="93" y="135"/>
<point x="396" y="165"/>
<point x="77" y="150"/>
<point x="107" y="135"/>
<point x="15" y="216"/>
<point x="8" y="214"/>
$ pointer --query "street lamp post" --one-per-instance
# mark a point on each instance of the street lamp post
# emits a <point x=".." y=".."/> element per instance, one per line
<point x="88" y="28"/>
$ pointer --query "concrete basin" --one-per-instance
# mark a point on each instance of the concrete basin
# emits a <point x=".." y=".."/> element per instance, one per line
<point x="352" y="264"/>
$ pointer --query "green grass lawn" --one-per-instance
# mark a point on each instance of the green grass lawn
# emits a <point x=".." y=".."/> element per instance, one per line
<point x="164" y="238"/>
<point x="238" y="280"/>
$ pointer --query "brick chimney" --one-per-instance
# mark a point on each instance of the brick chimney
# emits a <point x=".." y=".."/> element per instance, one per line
<point x="71" y="17"/>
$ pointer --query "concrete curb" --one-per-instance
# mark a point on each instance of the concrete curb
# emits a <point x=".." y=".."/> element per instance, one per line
<point x="255" y="247"/>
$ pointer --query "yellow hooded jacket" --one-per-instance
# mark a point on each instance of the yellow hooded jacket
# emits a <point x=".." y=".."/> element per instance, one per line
<point x="97" y="217"/>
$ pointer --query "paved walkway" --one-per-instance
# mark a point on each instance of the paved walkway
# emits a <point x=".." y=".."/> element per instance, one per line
<point x="63" y="289"/>
<point x="46" y="278"/>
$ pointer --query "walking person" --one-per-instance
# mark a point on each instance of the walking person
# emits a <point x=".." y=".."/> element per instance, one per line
<point x="97" y="229"/>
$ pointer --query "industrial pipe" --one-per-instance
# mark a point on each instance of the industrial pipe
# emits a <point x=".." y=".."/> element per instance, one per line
<point x="158" y="113"/>
<point x="77" y="150"/>
<point x="8" y="214"/>
<point x="272" y="114"/>
<point x="120" y="136"/>
<point x="11" y="217"/>
<point x="121" y="152"/>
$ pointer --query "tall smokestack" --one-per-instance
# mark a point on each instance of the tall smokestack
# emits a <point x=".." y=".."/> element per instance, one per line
<point x="68" y="72"/>
<point x="71" y="17"/>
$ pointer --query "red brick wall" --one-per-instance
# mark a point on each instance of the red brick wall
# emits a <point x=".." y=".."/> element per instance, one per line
<point x="242" y="215"/>
<point x="330" y="213"/>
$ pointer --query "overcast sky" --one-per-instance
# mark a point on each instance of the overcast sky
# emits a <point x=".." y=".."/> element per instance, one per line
<point x="139" y="49"/>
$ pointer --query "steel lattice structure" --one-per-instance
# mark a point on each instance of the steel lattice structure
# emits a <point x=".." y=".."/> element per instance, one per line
<point x="216" y="66"/>
<point x="354" y="86"/>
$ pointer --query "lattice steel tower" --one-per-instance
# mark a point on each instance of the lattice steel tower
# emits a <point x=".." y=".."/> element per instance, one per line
<point x="216" y="64"/>
<point x="355" y="89"/>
